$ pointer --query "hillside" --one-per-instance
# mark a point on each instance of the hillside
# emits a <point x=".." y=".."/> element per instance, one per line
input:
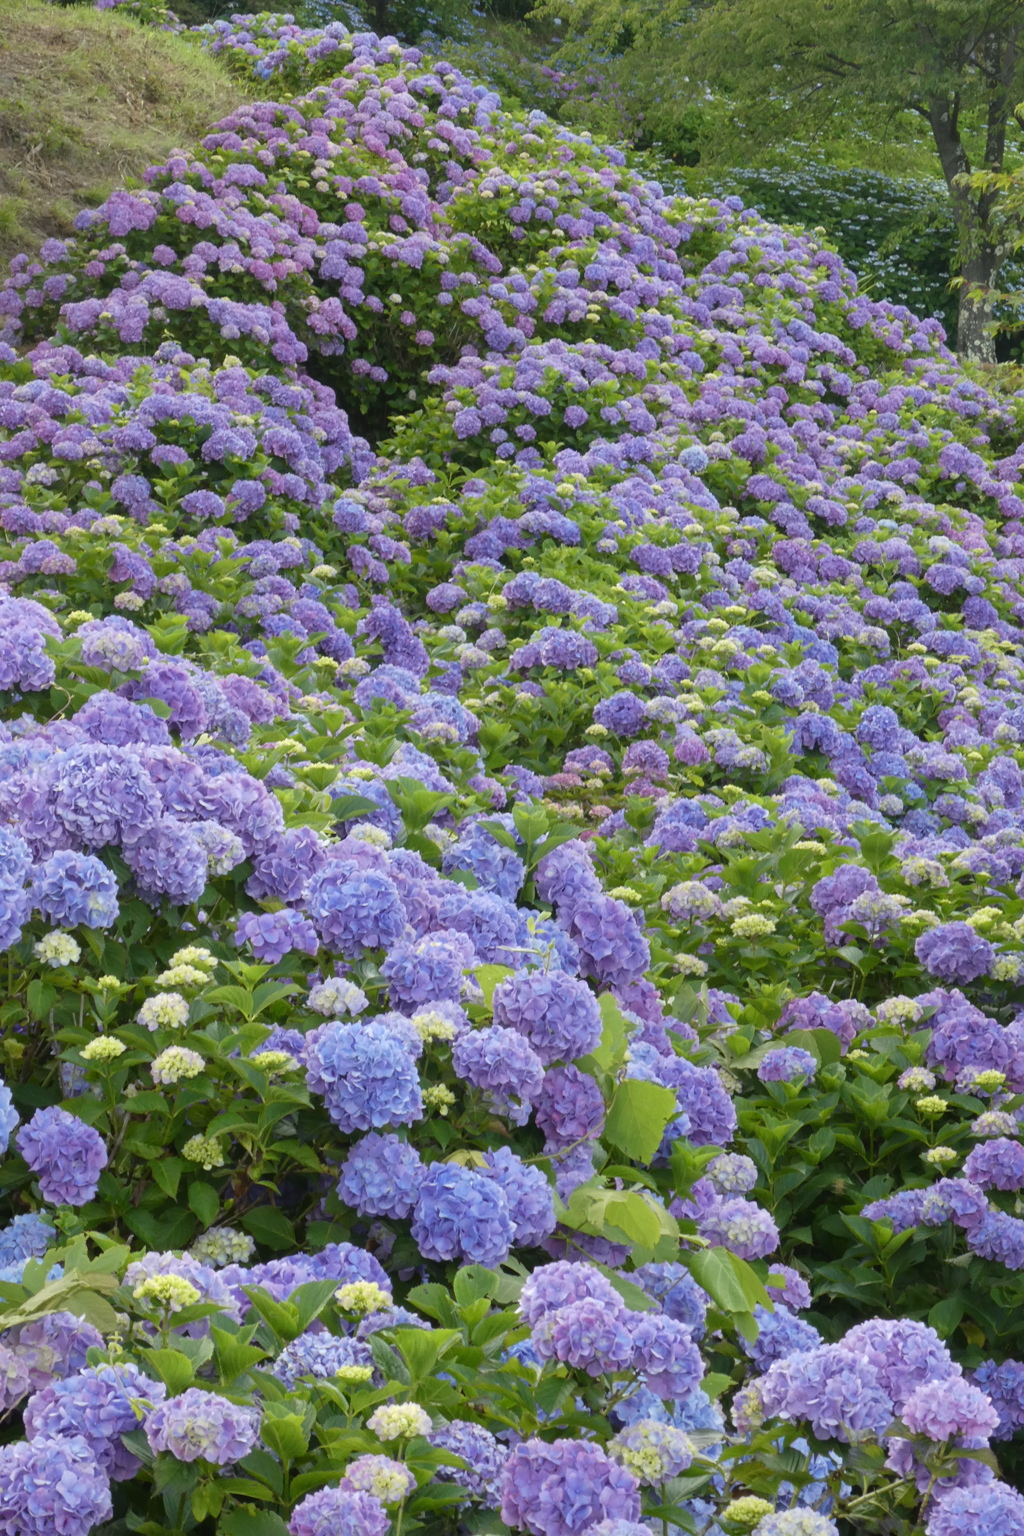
<point x="88" y="100"/>
<point x="511" y="746"/>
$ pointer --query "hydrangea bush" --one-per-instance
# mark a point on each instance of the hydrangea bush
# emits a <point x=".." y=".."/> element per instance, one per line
<point x="511" y="851"/>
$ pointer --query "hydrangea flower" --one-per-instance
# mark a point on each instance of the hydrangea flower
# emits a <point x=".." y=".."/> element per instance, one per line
<point x="66" y="1155"/>
<point x="460" y="1213"/>
<point x="202" y="1424"/>
<point x="99" y="1404"/>
<point x="381" y="1176"/>
<point x="52" y="1483"/>
<point x="558" y="1015"/>
<point x="652" y="1451"/>
<point x="338" y="1512"/>
<point x="562" y="1488"/>
<point x="365" y="1074"/>
<point x="483" y="1455"/>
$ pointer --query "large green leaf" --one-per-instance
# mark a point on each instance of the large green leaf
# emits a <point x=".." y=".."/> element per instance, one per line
<point x="637" y="1118"/>
<point x="729" y="1280"/>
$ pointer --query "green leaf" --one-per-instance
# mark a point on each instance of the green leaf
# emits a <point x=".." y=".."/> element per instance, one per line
<point x="730" y="1281"/>
<point x="488" y="978"/>
<point x="204" y="1200"/>
<point x="166" y="1172"/>
<point x="285" y="1434"/>
<point x="946" y="1315"/>
<point x="421" y="1348"/>
<point x="611" y="1053"/>
<point x="347" y="807"/>
<point x="270" y="1226"/>
<point x="638" y="1116"/>
<point x="172" y="1367"/>
<point x="244" y="1521"/>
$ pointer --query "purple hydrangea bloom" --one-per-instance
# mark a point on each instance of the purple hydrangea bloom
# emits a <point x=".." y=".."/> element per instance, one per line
<point x="741" y="1226"/>
<point x="66" y="1155"/>
<point x="677" y="1292"/>
<point x="339" y="1512"/>
<point x="588" y="1334"/>
<point x="665" y="1355"/>
<point x="52" y="1485"/>
<point x="787" y="1064"/>
<point x="996" y="1164"/>
<point x="366" y="1074"/>
<point x="794" y="1293"/>
<point x="484" y="1456"/>
<point x="561" y="1488"/>
<point x="429" y="969"/>
<point x="943" y="1410"/>
<point x="97" y="1404"/>
<point x="779" y="1334"/>
<point x="986" y="1509"/>
<point x="354" y="909"/>
<point x="569" y="1107"/>
<point x="837" y="1392"/>
<point x="904" y="1354"/>
<point x="1003" y="1385"/>
<point x="461" y="1213"/>
<point x="497" y="868"/>
<point x="954" y="952"/>
<point x="381" y="1176"/>
<point x="557" y="1285"/>
<point x="202" y="1424"/>
<point x="71" y="888"/>
<point x="501" y="1062"/>
<point x="558" y="1015"/>
<point x="320" y="1355"/>
<point x="272" y="935"/>
<point x="1000" y="1237"/>
<point x="607" y="934"/>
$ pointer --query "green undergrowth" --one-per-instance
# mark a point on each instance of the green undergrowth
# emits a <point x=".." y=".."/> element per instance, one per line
<point x="87" y="101"/>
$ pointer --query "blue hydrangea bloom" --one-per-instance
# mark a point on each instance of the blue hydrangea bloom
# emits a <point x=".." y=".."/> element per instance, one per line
<point x="779" y="1333"/>
<point x="95" y="1403"/>
<point x="461" y="1213"/>
<point x="381" y="1176"/>
<point x="71" y="888"/>
<point x="558" y="1014"/>
<point x="483" y="1454"/>
<point x="365" y="1073"/>
<point x="354" y="909"/>
<point x="529" y="1195"/>
<point x="320" y="1355"/>
<point x="497" y="868"/>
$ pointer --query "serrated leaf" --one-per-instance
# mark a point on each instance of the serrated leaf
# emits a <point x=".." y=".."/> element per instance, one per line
<point x="636" y="1121"/>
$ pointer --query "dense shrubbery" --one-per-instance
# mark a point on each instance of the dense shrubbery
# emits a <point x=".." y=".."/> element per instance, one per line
<point x="576" y="816"/>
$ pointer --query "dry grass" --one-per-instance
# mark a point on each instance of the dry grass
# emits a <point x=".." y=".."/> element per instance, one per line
<point x="87" y="101"/>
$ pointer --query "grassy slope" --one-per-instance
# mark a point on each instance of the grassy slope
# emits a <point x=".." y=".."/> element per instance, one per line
<point x="87" y="101"/>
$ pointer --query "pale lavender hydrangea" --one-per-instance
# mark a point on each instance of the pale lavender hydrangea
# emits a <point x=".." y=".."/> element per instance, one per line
<point x="202" y="1424"/>
<point x="986" y="1509"/>
<point x="835" y="1391"/>
<point x="561" y="1488"/>
<point x="52" y="1486"/>
<point x="339" y="1512"/>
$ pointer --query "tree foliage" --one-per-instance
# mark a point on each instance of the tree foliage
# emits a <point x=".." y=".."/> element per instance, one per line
<point x="957" y="65"/>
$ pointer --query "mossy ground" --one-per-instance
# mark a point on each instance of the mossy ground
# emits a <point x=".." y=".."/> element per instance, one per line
<point x="87" y="101"/>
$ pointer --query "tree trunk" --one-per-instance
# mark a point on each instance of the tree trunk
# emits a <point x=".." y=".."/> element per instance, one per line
<point x="978" y="256"/>
<point x="974" y="341"/>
